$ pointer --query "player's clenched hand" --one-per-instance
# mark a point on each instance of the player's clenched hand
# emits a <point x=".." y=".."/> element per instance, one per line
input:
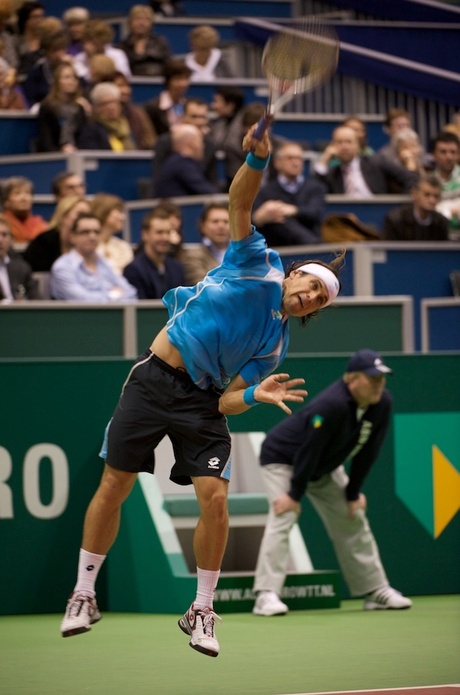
<point x="284" y="503"/>
<point x="261" y="148"/>
<point x="278" y="388"/>
<point x="354" y="505"/>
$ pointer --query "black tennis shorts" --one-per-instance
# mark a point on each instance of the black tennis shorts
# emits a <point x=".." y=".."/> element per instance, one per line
<point x="158" y="400"/>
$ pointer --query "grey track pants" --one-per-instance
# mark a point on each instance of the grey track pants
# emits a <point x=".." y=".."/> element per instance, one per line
<point x="354" y="544"/>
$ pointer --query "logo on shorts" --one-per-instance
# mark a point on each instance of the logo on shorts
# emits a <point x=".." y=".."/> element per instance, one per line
<point x="214" y="463"/>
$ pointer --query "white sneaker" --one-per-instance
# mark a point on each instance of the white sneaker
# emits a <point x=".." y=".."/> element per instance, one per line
<point x="199" y="624"/>
<point x="81" y="612"/>
<point x="386" y="598"/>
<point x="268" y="603"/>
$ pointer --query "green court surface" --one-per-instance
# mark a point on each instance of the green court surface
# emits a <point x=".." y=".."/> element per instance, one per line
<point x="303" y="652"/>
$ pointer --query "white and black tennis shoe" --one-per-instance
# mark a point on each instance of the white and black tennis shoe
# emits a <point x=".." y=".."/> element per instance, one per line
<point x="200" y="625"/>
<point x="81" y="612"/>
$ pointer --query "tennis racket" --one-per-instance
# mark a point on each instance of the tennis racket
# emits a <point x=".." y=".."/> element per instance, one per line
<point x="297" y="60"/>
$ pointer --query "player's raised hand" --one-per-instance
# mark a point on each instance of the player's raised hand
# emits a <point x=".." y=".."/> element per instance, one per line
<point x="278" y="388"/>
<point x="261" y="148"/>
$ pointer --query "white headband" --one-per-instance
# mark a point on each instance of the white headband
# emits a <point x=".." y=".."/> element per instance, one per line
<point x="326" y="275"/>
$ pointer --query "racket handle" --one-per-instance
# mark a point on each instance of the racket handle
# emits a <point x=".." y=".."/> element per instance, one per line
<point x="264" y="122"/>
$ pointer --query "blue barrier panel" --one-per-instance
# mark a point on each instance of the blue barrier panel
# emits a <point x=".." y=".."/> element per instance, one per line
<point x="210" y="8"/>
<point x="38" y="168"/>
<point x="444" y="328"/>
<point x="415" y="271"/>
<point x="17" y="131"/>
<point x="235" y="8"/>
<point x="148" y="88"/>
<point x="118" y="176"/>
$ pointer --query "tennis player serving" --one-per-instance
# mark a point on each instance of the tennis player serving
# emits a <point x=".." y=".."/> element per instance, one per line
<point x="215" y="357"/>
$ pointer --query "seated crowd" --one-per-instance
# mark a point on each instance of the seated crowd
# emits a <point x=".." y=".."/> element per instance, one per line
<point x="70" y="74"/>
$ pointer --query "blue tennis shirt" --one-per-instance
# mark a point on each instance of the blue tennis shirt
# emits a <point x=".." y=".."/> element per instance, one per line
<point x="231" y="323"/>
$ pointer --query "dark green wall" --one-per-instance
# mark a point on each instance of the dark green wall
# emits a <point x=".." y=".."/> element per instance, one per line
<point x="67" y="404"/>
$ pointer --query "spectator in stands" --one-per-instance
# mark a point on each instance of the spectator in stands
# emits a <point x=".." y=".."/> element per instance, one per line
<point x="101" y="68"/>
<point x="8" y="52"/>
<point x="176" y="237"/>
<point x="227" y="106"/>
<point x="153" y="271"/>
<point x="168" y="8"/>
<point x="81" y="274"/>
<point x="16" y="281"/>
<point x="40" y="78"/>
<point x="75" y="19"/>
<point x="305" y="455"/>
<point x="215" y="237"/>
<point x="289" y="209"/>
<point x="108" y="129"/>
<point x="61" y="116"/>
<point x="49" y="245"/>
<point x="167" y="108"/>
<point x="67" y="183"/>
<point x="11" y="97"/>
<point x="360" y="129"/>
<point x="250" y="114"/>
<point x="418" y="221"/>
<point x="196" y="112"/>
<point x="139" y="123"/>
<point x="409" y="152"/>
<point x="396" y="119"/>
<point x="27" y="41"/>
<point x="358" y="176"/>
<point x="446" y="153"/>
<point x="182" y="172"/>
<point x="17" y="208"/>
<point x="97" y="39"/>
<point x="146" y="51"/>
<point x="110" y="211"/>
<point x="206" y="60"/>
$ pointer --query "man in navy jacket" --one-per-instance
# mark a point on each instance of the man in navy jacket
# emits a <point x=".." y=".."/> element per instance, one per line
<point x="153" y="272"/>
<point x="305" y="455"/>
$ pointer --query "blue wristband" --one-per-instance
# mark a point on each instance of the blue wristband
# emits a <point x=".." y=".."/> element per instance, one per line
<point x="256" y="162"/>
<point x="248" y="395"/>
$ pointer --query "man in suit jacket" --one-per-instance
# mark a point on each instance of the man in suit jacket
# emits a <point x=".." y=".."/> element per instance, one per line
<point x="16" y="281"/>
<point x="196" y="112"/>
<point x="182" y="172"/>
<point x="359" y="176"/>
<point x="153" y="271"/>
<point x="418" y="221"/>
<point x="288" y="210"/>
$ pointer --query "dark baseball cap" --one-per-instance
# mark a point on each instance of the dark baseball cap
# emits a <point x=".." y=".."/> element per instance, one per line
<point x="369" y="362"/>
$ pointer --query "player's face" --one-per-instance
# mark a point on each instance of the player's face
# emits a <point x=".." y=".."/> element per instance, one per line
<point x="303" y="294"/>
<point x="367" y="390"/>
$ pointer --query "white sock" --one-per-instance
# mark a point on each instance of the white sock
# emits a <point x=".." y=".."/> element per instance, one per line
<point x="89" y="565"/>
<point x="207" y="582"/>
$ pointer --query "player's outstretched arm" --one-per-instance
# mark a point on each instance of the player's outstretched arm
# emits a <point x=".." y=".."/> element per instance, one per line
<point x="276" y="389"/>
<point x="245" y="187"/>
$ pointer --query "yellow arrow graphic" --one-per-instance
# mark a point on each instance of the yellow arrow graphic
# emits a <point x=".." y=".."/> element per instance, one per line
<point x="446" y="491"/>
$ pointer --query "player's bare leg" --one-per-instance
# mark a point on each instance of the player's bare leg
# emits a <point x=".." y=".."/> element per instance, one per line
<point x="101" y="526"/>
<point x="209" y="543"/>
